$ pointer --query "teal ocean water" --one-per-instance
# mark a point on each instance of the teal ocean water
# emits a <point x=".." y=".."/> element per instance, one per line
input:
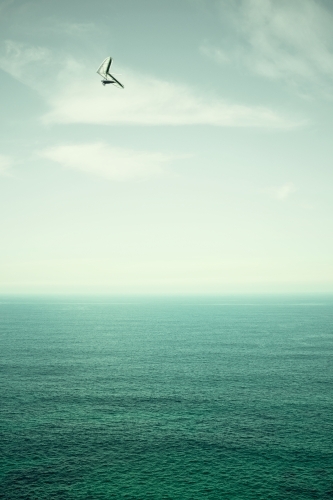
<point x="189" y="398"/>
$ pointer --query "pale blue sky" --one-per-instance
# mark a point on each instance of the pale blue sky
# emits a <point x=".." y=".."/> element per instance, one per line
<point x="211" y="172"/>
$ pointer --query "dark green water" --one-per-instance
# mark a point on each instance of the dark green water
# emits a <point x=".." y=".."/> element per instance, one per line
<point x="217" y="398"/>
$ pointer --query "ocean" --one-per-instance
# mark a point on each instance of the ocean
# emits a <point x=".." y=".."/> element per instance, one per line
<point x="166" y="398"/>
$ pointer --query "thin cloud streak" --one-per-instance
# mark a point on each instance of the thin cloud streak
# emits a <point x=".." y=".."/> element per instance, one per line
<point x="73" y="29"/>
<point x="284" y="191"/>
<point x="108" y="162"/>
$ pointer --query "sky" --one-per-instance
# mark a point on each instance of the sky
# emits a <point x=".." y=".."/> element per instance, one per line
<point x="210" y="173"/>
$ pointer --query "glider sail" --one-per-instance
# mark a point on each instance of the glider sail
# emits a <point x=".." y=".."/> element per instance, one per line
<point x="104" y="67"/>
<point x="104" y="71"/>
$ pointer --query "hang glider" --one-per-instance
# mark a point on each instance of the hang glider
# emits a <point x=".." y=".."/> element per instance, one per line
<point x="104" y="71"/>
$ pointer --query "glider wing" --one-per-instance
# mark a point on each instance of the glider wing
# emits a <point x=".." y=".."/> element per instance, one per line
<point x="116" y="81"/>
<point x="103" y="70"/>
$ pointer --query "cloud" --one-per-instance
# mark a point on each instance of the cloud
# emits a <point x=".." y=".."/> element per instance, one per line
<point x="104" y="161"/>
<point x="285" y="40"/>
<point x="38" y="67"/>
<point x="74" y="95"/>
<point x="150" y="101"/>
<point x="18" y="59"/>
<point x="283" y="192"/>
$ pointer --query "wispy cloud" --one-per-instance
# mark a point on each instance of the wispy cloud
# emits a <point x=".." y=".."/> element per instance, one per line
<point x="37" y="67"/>
<point x="279" y="40"/>
<point x="283" y="192"/>
<point x="76" y="97"/>
<point x="104" y="161"/>
<point x="19" y="59"/>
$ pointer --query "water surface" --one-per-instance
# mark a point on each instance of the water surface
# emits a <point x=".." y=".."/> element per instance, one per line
<point x="183" y="398"/>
